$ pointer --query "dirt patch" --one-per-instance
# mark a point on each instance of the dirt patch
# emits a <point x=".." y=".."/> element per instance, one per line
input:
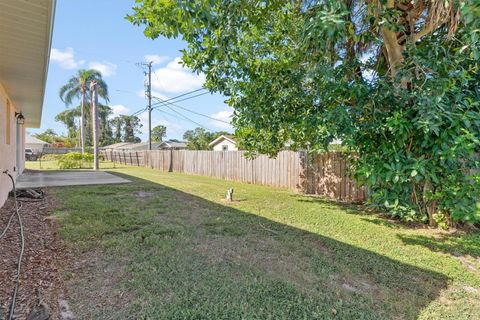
<point x="261" y="253"/>
<point x="144" y="194"/>
<point x="94" y="286"/>
<point x="44" y="258"/>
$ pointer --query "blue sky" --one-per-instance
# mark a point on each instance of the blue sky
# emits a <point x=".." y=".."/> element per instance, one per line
<point x="95" y="34"/>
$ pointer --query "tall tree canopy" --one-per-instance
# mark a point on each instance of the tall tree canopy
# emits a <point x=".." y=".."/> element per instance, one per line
<point x="77" y="88"/>
<point x="199" y="138"/>
<point x="158" y="133"/>
<point x="126" y="128"/>
<point x="69" y="116"/>
<point x="395" y="80"/>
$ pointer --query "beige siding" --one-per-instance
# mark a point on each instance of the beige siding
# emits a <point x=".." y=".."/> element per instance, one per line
<point x="8" y="144"/>
<point x="225" y="143"/>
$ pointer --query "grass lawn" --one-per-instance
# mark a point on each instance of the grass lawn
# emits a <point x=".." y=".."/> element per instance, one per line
<point x="167" y="246"/>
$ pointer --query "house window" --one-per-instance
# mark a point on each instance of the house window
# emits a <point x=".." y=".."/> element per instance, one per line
<point x="8" y="123"/>
<point x="224" y="148"/>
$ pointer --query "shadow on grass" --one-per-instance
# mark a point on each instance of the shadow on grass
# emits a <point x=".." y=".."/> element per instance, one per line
<point x="456" y="244"/>
<point x="360" y="210"/>
<point x="323" y="202"/>
<point x="191" y="258"/>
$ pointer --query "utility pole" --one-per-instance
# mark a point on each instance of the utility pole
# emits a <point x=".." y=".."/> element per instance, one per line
<point x="149" y="93"/>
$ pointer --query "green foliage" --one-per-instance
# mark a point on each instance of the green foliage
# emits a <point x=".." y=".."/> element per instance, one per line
<point x="48" y="136"/>
<point x="131" y="127"/>
<point x="70" y="118"/>
<point x="77" y="86"/>
<point x="402" y="94"/>
<point x="75" y="160"/>
<point x="158" y="133"/>
<point x="199" y="138"/>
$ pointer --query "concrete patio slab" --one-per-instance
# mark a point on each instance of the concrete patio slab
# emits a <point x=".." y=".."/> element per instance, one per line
<point x="42" y="179"/>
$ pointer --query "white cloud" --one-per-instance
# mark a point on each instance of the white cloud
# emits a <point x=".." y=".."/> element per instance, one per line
<point x="174" y="78"/>
<point x="66" y="58"/>
<point x="119" y="109"/>
<point x="226" y="116"/>
<point x="155" y="58"/>
<point x="106" y="68"/>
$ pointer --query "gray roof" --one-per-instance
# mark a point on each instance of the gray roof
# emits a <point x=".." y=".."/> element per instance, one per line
<point x="32" y="140"/>
<point x="144" y="145"/>
<point x="173" y="144"/>
<point x="118" y="145"/>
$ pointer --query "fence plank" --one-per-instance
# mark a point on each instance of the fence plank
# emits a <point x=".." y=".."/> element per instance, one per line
<point x="323" y="174"/>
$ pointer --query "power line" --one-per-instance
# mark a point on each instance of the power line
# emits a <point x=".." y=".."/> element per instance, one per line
<point x="184" y="94"/>
<point x="159" y="104"/>
<point x="139" y="112"/>
<point x="187" y="118"/>
<point x="195" y="112"/>
<point x="176" y="97"/>
<point x="184" y="118"/>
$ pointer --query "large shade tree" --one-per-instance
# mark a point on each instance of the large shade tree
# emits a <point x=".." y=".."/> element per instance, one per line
<point x="77" y="87"/>
<point x="71" y="116"/>
<point x="396" y="81"/>
<point x="126" y="128"/>
<point x="199" y="138"/>
<point x="158" y="133"/>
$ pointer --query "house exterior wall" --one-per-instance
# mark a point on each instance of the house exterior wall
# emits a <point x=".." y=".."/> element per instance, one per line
<point x="229" y="145"/>
<point x="8" y="144"/>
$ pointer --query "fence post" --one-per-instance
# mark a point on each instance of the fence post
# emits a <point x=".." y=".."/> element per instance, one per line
<point x="131" y="160"/>
<point x="170" y="167"/>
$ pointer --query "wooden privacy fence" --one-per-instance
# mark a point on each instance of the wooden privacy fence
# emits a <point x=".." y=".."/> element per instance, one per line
<point x="321" y="174"/>
<point x="134" y="158"/>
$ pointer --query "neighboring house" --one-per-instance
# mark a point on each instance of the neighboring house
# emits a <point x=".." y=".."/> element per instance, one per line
<point x="116" y="146"/>
<point x="141" y="146"/>
<point x="35" y="144"/>
<point x="224" y="143"/>
<point x="25" y="40"/>
<point x="173" y="145"/>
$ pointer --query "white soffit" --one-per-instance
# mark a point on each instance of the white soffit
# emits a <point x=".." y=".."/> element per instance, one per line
<point x="25" y="39"/>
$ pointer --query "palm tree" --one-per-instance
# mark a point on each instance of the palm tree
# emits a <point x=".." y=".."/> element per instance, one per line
<point x="77" y="88"/>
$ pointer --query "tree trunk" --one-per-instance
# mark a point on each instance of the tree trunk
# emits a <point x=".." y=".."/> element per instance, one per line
<point x="394" y="50"/>
<point x="82" y="121"/>
<point x="93" y="90"/>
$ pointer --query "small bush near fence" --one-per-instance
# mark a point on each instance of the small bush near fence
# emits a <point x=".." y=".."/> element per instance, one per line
<point x="75" y="160"/>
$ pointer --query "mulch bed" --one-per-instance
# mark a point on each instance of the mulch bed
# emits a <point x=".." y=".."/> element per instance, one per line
<point x="45" y="255"/>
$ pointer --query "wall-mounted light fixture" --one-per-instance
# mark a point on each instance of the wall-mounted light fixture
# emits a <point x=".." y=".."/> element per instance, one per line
<point x="20" y="118"/>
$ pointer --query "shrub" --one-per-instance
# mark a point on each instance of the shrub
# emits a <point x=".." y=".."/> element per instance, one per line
<point x="75" y="160"/>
